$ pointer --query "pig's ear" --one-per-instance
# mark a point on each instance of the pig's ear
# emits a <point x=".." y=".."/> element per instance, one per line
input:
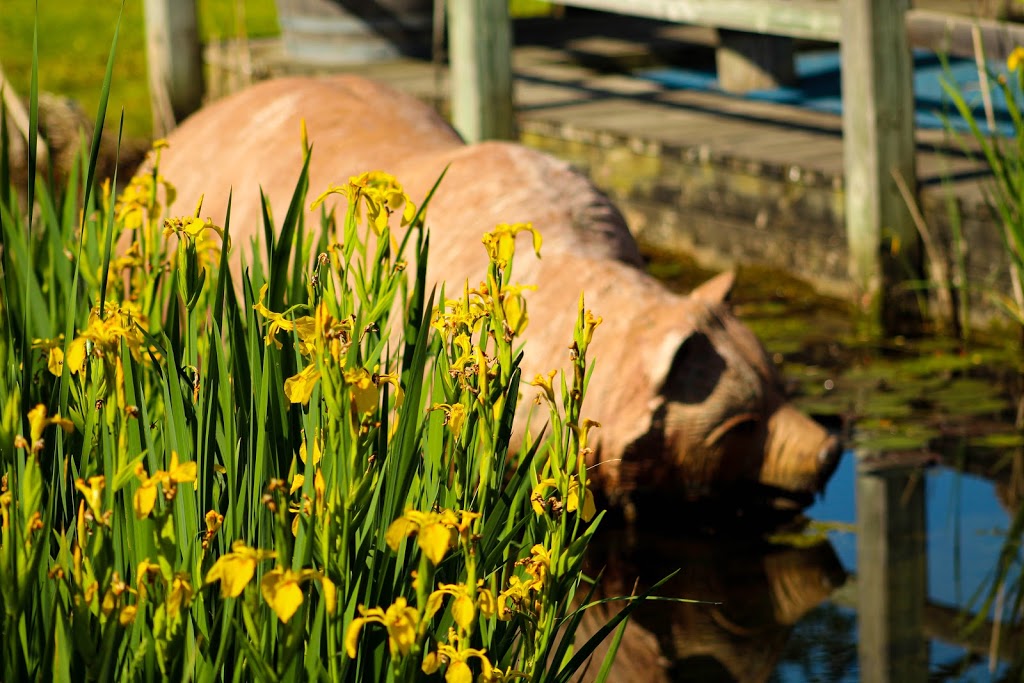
<point x="717" y="289"/>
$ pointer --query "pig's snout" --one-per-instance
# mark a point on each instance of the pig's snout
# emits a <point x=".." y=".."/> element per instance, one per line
<point x="800" y="455"/>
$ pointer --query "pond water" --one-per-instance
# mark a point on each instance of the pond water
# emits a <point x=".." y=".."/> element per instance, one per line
<point x="895" y="577"/>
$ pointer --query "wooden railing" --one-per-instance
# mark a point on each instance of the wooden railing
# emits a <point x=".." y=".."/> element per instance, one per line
<point x="875" y="36"/>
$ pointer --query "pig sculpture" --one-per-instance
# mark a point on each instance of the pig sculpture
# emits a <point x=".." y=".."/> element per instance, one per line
<point x="688" y="401"/>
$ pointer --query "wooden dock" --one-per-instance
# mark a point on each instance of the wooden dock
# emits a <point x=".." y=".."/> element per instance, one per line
<point x="727" y="179"/>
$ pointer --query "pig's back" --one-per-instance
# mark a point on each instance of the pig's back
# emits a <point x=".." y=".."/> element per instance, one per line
<point x="251" y="139"/>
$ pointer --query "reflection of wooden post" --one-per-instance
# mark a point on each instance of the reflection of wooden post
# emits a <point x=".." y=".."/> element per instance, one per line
<point x="750" y="61"/>
<point x="480" y="55"/>
<point x="175" y="61"/>
<point x="878" y="140"/>
<point x="892" y="576"/>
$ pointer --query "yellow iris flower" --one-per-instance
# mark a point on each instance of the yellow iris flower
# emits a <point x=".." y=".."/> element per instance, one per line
<point x="400" y="619"/>
<point x="179" y="595"/>
<point x="538" y="500"/>
<point x="145" y="496"/>
<point x="464" y="606"/>
<point x="102" y="336"/>
<point x="501" y="242"/>
<point x="235" y="570"/>
<point x="457" y="658"/>
<point x="38" y="421"/>
<point x="379" y="193"/>
<point x="278" y="321"/>
<point x="93" y="492"/>
<point x="436" y="532"/>
<point x="454" y="416"/>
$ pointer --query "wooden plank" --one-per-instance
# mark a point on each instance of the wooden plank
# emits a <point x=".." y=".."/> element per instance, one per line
<point x="480" y="54"/>
<point x="814" y="19"/>
<point x="953" y="34"/>
<point x="174" y="58"/>
<point x="878" y="141"/>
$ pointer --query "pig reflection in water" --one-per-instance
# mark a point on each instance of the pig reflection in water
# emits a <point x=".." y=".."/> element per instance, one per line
<point x="761" y="592"/>
<point x="687" y="399"/>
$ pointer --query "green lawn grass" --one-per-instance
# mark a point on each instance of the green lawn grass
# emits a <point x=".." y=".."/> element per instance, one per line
<point x="74" y="41"/>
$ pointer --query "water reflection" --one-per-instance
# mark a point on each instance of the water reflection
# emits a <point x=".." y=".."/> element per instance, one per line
<point x="890" y="603"/>
<point x="892" y="581"/>
<point x="760" y="591"/>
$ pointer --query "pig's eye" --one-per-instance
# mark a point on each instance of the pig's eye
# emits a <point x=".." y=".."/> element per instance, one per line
<point x="742" y="424"/>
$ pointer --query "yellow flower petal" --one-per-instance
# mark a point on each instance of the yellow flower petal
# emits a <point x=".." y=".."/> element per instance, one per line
<point x="93" y="493"/>
<point x="434" y="540"/>
<point x="234" y="571"/>
<point x="463" y="611"/>
<point x="55" y="362"/>
<point x="458" y="672"/>
<point x="75" y="359"/>
<point x="184" y="473"/>
<point x="127" y="615"/>
<point x="398" y="531"/>
<point x="352" y="636"/>
<point x="431" y="663"/>
<point x="299" y="389"/>
<point x="180" y="596"/>
<point x="280" y="588"/>
<point x="144" y="499"/>
<point x="330" y="595"/>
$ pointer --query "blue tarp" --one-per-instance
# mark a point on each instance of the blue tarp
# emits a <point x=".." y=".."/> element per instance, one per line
<point x="819" y="88"/>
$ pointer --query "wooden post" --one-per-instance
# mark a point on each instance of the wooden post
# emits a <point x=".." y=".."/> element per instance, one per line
<point x="480" y="57"/>
<point x="18" y="115"/>
<point x="878" y="142"/>
<point x="750" y="61"/>
<point x="175" y="62"/>
<point x="892" y="573"/>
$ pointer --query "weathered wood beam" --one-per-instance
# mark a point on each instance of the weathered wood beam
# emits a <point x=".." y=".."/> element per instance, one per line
<point x="878" y="145"/>
<point x="174" y="59"/>
<point x="953" y="34"/>
<point x="814" y="19"/>
<point x="480" y="58"/>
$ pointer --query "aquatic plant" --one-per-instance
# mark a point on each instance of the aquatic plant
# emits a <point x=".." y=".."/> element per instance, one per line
<point x="303" y="474"/>
<point x="1004" y="155"/>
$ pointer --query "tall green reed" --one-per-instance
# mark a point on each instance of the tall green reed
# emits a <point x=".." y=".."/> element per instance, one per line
<point x="1004" y="155"/>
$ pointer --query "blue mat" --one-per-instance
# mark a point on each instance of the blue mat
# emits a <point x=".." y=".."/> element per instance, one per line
<point x="819" y="88"/>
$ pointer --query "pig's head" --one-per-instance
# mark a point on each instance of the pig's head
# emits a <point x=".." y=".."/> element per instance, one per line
<point x="722" y="424"/>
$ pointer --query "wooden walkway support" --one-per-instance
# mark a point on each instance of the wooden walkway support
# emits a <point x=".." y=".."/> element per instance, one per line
<point x="878" y="142"/>
<point x="175" y="62"/>
<point x="480" y="53"/>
